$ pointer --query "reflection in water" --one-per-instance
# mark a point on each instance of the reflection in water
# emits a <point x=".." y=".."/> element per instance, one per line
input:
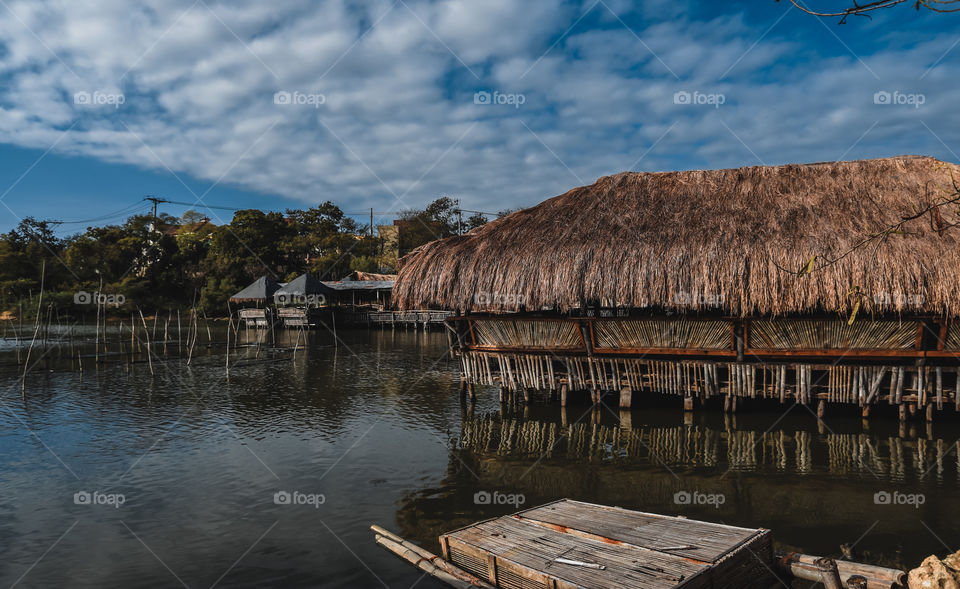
<point x="889" y="457"/>
<point x="815" y="485"/>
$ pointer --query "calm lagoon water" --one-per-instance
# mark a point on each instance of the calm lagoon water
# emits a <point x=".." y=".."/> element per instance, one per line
<point x="373" y="430"/>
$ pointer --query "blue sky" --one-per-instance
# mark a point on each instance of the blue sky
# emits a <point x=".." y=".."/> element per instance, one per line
<point x="390" y="104"/>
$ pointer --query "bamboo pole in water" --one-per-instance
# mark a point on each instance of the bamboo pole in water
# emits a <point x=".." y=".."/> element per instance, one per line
<point x="429" y="563"/>
<point x="26" y="364"/>
<point x="803" y="566"/>
<point x="147" y="334"/>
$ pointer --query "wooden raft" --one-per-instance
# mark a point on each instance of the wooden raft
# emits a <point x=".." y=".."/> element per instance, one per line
<point x="635" y="550"/>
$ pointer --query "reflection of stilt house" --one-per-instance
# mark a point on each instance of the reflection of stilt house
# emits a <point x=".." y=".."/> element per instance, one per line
<point x="255" y="298"/>
<point x="833" y="282"/>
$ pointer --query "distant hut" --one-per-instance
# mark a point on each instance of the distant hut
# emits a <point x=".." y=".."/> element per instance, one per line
<point x="258" y="292"/>
<point x="298" y="300"/>
<point x="304" y="290"/>
<point x="371" y="276"/>
<point x="256" y="297"/>
<point x="365" y="292"/>
<point x="768" y="265"/>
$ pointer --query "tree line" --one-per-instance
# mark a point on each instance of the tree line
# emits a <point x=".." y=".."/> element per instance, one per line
<point x="153" y="263"/>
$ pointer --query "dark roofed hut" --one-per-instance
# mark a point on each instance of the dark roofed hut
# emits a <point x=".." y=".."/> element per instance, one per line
<point x="260" y="291"/>
<point x="298" y="301"/>
<point x="706" y="264"/>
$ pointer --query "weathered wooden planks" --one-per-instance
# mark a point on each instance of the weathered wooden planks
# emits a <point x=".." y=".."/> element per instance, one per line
<point x="633" y="549"/>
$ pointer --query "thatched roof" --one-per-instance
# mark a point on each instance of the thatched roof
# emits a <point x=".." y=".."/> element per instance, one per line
<point x="725" y="239"/>
<point x="360" y="275"/>
<point x="260" y="290"/>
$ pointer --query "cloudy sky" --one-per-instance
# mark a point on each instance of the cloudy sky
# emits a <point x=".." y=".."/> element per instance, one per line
<point x="390" y="104"/>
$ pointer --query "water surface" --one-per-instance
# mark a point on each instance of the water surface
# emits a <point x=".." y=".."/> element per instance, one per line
<point x="376" y="426"/>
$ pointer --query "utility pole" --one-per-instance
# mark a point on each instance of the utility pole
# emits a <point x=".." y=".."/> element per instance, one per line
<point x="155" y="200"/>
<point x="371" y="221"/>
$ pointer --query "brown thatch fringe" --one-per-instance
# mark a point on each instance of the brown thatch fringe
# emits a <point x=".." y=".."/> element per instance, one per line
<point x="698" y="240"/>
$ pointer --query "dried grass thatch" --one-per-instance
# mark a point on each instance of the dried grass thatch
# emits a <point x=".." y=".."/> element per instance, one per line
<point x="732" y="240"/>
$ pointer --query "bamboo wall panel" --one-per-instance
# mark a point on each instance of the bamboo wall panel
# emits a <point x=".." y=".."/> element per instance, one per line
<point x="682" y="334"/>
<point x="953" y="337"/>
<point x="803" y="334"/>
<point x="860" y="385"/>
<point x="516" y="333"/>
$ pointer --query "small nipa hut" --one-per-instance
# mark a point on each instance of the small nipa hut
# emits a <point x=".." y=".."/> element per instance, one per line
<point x="259" y="292"/>
<point x="255" y="299"/>
<point x="819" y="283"/>
<point x="298" y="301"/>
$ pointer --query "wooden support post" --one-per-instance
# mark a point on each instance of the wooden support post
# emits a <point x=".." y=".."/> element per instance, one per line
<point x="626" y="422"/>
<point x="470" y="392"/>
<point x="929" y="415"/>
<point x="688" y="403"/>
<point x="526" y="395"/>
<point x="726" y="403"/>
<point x="564" y="390"/>
<point x="829" y="575"/>
<point x="738" y="340"/>
<point x="821" y="409"/>
<point x="903" y="412"/>
<point x="625" y="396"/>
<point x="912" y="409"/>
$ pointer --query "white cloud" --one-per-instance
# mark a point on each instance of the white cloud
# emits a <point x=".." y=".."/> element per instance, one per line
<point x="399" y="116"/>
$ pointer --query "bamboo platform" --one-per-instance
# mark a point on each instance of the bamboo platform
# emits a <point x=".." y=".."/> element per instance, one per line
<point x="569" y="544"/>
<point x="865" y="385"/>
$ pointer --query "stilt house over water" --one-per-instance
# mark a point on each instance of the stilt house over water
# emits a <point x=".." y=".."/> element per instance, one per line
<point x="831" y="282"/>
